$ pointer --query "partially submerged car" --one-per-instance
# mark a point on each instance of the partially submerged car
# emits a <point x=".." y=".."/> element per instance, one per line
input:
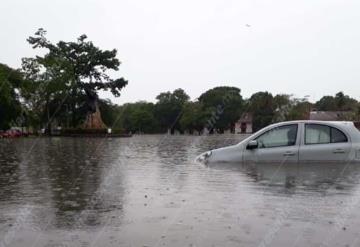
<point x="294" y="141"/>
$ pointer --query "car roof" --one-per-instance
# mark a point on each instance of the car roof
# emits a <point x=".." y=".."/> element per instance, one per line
<point x="347" y="126"/>
<point x="338" y="123"/>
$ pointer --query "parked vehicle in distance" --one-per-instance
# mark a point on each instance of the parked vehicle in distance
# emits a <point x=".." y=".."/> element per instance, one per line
<point x="12" y="133"/>
<point x="294" y="141"/>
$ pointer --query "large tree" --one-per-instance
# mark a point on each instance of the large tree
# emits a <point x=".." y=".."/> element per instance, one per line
<point x="194" y="117"/>
<point x="340" y="102"/>
<point x="224" y="106"/>
<point x="45" y="91"/>
<point x="139" y="117"/>
<point x="326" y="103"/>
<point x="300" y="110"/>
<point x="289" y="108"/>
<point x="169" y="108"/>
<point x="282" y="105"/>
<point x="262" y="106"/>
<point x="10" y="108"/>
<point x="74" y="72"/>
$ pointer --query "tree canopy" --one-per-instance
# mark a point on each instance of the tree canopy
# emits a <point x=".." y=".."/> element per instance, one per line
<point x="262" y="106"/>
<point x="169" y="107"/>
<point x="194" y="117"/>
<point x="10" y="107"/>
<point x="340" y="102"/>
<point x="225" y="106"/>
<point x="139" y="118"/>
<point x="69" y="76"/>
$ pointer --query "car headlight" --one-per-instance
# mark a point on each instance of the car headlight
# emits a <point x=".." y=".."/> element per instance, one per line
<point x="203" y="158"/>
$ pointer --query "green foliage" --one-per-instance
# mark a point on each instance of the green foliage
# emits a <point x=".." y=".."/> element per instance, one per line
<point x="288" y="108"/>
<point x="10" y="107"/>
<point x="84" y="64"/>
<point x="66" y="80"/>
<point x="223" y="106"/>
<point x="109" y="112"/>
<point x="281" y="100"/>
<point x="139" y="118"/>
<point x="262" y="106"/>
<point x="326" y="103"/>
<point x="193" y="117"/>
<point x="169" y="107"/>
<point x="299" y="111"/>
<point x="340" y="102"/>
<point x="282" y="105"/>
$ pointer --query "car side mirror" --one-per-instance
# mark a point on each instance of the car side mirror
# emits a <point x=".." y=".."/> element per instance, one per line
<point x="252" y="145"/>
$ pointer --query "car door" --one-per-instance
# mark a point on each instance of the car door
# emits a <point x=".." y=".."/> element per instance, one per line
<point x="277" y="145"/>
<point x="324" y="143"/>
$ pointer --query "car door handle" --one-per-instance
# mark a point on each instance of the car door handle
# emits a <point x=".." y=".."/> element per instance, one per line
<point x="289" y="153"/>
<point x="339" y="151"/>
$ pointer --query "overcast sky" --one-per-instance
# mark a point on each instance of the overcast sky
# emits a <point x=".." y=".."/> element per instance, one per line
<point x="303" y="47"/>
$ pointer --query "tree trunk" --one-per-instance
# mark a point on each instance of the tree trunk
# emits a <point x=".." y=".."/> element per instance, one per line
<point x="48" y="122"/>
<point x="93" y="118"/>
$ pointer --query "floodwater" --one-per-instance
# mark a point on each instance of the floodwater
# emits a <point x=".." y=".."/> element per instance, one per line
<point x="147" y="191"/>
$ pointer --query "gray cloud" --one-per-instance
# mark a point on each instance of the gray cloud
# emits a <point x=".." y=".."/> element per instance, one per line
<point x="297" y="47"/>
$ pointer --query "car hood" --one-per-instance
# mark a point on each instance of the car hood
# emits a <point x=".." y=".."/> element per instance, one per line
<point x="225" y="154"/>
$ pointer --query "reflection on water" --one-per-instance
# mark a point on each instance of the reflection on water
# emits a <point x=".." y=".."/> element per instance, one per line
<point x="302" y="176"/>
<point x="147" y="191"/>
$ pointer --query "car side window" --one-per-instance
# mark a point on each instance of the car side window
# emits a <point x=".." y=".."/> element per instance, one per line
<point x="278" y="137"/>
<point x="317" y="134"/>
<point x="337" y="136"/>
<point x="323" y="134"/>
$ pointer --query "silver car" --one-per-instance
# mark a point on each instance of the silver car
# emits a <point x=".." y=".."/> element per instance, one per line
<point x="292" y="142"/>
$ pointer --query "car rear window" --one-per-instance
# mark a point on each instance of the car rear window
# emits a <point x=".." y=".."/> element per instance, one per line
<point x="337" y="136"/>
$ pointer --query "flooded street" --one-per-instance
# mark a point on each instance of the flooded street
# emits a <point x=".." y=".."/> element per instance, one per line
<point x="147" y="191"/>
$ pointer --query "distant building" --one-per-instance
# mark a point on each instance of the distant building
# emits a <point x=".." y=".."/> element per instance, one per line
<point x="244" y="124"/>
<point x="329" y="115"/>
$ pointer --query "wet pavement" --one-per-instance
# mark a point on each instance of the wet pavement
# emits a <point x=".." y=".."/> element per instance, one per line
<point x="147" y="191"/>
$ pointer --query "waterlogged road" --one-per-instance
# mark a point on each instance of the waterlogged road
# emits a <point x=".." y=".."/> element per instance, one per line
<point x="147" y="191"/>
